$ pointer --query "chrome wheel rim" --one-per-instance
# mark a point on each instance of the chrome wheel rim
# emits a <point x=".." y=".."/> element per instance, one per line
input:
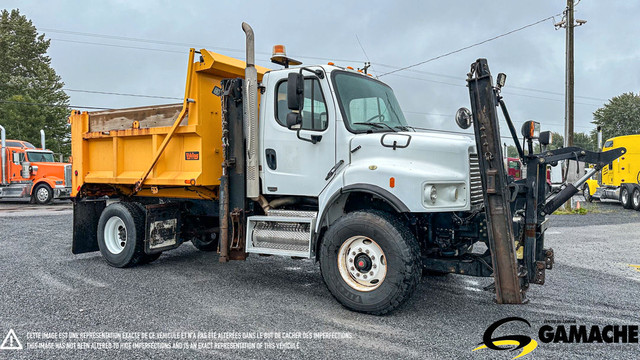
<point x="362" y="263"/>
<point x="42" y="194"/>
<point x="625" y="196"/>
<point x="115" y="235"/>
<point x="636" y="199"/>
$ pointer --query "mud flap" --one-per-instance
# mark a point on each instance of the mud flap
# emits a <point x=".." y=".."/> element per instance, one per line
<point x="162" y="228"/>
<point x="86" y="214"/>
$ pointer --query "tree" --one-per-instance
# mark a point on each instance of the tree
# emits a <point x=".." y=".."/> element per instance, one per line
<point x="581" y="140"/>
<point x="27" y="81"/>
<point x="621" y="116"/>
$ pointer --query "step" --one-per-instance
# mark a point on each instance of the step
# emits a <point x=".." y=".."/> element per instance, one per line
<point x="282" y="232"/>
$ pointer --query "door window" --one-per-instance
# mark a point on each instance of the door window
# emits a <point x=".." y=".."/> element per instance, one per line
<point x="314" y="111"/>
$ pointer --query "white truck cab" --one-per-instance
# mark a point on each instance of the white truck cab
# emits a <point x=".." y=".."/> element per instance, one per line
<point x="354" y="136"/>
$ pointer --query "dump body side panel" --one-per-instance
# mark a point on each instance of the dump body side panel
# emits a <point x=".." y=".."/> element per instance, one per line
<point x="116" y="147"/>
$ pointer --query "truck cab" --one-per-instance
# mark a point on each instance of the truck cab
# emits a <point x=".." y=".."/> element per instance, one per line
<point x="620" y="179"/>
<point x="29" y="172"/>
<point x="353" y="135"/>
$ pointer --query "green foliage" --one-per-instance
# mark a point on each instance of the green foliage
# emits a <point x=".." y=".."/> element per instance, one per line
<point x="26" y="77"/>
<point x="621" y="116"/>
<point x="581" y="140"/>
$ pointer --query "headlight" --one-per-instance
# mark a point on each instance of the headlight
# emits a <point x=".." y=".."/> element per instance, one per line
<point x="433" y="194"/>
<point x="444" y="195"/>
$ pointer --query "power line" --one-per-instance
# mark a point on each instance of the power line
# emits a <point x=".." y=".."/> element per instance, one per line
<point x="123" y="94"/>
<point x="115" y="37"/>
<point x="52" y="105"/>
<point x="470" y="46"/>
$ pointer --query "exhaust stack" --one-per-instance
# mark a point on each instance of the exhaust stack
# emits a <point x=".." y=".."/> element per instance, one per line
<point x="3" y="149"/>
<point x="251" y="115"/>
<point x="42" y="139"/>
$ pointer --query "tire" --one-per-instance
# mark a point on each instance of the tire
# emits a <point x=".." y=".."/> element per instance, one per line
<point x="587" y="194"/>
<point x="149" y="258"/>
<point x="635" y="198"/>
<point x="625" y="197"/>
<point x="398" y="263"/>
<point x="43" y="194"/>
<point x="122" y="221"/>
<point x="206" y="242"/>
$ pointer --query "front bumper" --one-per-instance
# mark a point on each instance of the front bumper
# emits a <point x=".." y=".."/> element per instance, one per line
<point x="62" y="192"/>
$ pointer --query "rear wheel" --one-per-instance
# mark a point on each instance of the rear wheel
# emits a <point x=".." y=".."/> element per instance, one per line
<point x="207" y="242"/>
<point x="635" y="198"/>
<point x="43" y="194"/>
<point x="370" y="262"/>
<point x="121" y="235"/>
<point x="625" y="197"/>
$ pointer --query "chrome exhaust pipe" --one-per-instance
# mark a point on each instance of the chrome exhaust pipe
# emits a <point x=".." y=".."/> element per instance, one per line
<point x="42" y="139"/>
<point x="3" y="149"/>
<point x="251" y="115"/>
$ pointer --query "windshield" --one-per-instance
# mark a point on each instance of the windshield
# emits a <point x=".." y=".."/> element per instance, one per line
<point x="367" y="104"/>
<point x="40" y="156"/>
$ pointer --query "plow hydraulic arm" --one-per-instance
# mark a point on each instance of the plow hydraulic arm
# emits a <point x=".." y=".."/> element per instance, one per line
<point x="522" y="259"/>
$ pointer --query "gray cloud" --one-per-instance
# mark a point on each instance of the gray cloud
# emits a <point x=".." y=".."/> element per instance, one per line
<point x="396" y="33"/>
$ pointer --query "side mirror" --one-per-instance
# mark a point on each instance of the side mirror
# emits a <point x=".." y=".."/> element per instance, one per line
<point x="293" y="119"/>
<point x="16" y="158"/>
<point x="464" y="118"/>
<point x="295" y="92"/>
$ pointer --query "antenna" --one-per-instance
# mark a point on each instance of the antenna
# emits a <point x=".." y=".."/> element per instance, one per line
<point x="367" y="64"/>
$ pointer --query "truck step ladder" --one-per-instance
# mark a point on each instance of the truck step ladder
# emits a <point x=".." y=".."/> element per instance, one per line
<point x="281" y="232"/>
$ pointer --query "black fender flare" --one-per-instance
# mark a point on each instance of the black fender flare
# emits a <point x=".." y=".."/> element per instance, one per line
<point x="385" y="195"/>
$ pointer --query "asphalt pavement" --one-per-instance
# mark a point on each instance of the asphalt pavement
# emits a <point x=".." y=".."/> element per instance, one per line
<point x="58" y="303"/>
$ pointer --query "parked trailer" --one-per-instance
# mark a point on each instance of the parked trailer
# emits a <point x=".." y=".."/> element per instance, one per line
<point x="27" y="172"/>
<point x="620" y="179"/>
<point x="326" y="168"/>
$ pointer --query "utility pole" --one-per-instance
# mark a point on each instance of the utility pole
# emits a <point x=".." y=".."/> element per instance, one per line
<point x="569" y="78"/>
<point x="569" y="23"/>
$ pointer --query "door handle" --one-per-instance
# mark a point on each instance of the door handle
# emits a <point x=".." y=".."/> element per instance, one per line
<point x="272" y="162"/>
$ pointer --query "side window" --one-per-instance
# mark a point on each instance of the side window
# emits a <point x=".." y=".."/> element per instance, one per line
<point x="314" y="111"/>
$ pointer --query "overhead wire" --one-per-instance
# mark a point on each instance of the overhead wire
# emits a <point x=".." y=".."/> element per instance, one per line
<point x="470" y="46"/>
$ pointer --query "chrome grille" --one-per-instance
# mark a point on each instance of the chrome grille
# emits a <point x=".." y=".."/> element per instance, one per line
<point x="475" y="181"/>
<point x="67" y="175"/>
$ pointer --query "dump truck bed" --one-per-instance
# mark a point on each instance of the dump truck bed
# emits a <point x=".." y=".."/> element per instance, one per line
<point x="123" y="147"/>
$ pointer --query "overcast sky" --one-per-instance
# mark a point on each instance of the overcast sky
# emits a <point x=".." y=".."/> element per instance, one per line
<point x="392" y="33"/>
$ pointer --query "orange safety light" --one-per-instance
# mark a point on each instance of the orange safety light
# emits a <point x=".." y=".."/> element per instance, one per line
<point x="279" y="56"/>
<point x="279" y="50"/>
<point x="392" y="182"/>
<point x="350" y="67"/>
<point x="330" y="63"/>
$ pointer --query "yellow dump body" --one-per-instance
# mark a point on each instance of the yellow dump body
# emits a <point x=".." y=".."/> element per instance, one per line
<point x="122" y="147"/>
<point x="625" y="169"/>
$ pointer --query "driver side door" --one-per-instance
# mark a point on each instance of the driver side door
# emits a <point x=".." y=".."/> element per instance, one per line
<point x="291" y="163"/>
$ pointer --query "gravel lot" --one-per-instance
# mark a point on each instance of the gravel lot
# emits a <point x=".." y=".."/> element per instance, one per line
<point x="47" y="291"/>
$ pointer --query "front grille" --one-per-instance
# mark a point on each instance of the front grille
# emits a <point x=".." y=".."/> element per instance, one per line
<point x="67" y="175"/>
<point x="475" y="181"/>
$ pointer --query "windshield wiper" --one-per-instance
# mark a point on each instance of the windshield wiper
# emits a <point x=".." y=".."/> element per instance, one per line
<point x="404" y="127"/>
<point x="376" y="125"/>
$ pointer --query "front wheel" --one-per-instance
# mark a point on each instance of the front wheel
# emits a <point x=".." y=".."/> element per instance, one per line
<point x="43" y="194"/>
<point x="370" y="262"/>
<point x="587" y="193"/>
